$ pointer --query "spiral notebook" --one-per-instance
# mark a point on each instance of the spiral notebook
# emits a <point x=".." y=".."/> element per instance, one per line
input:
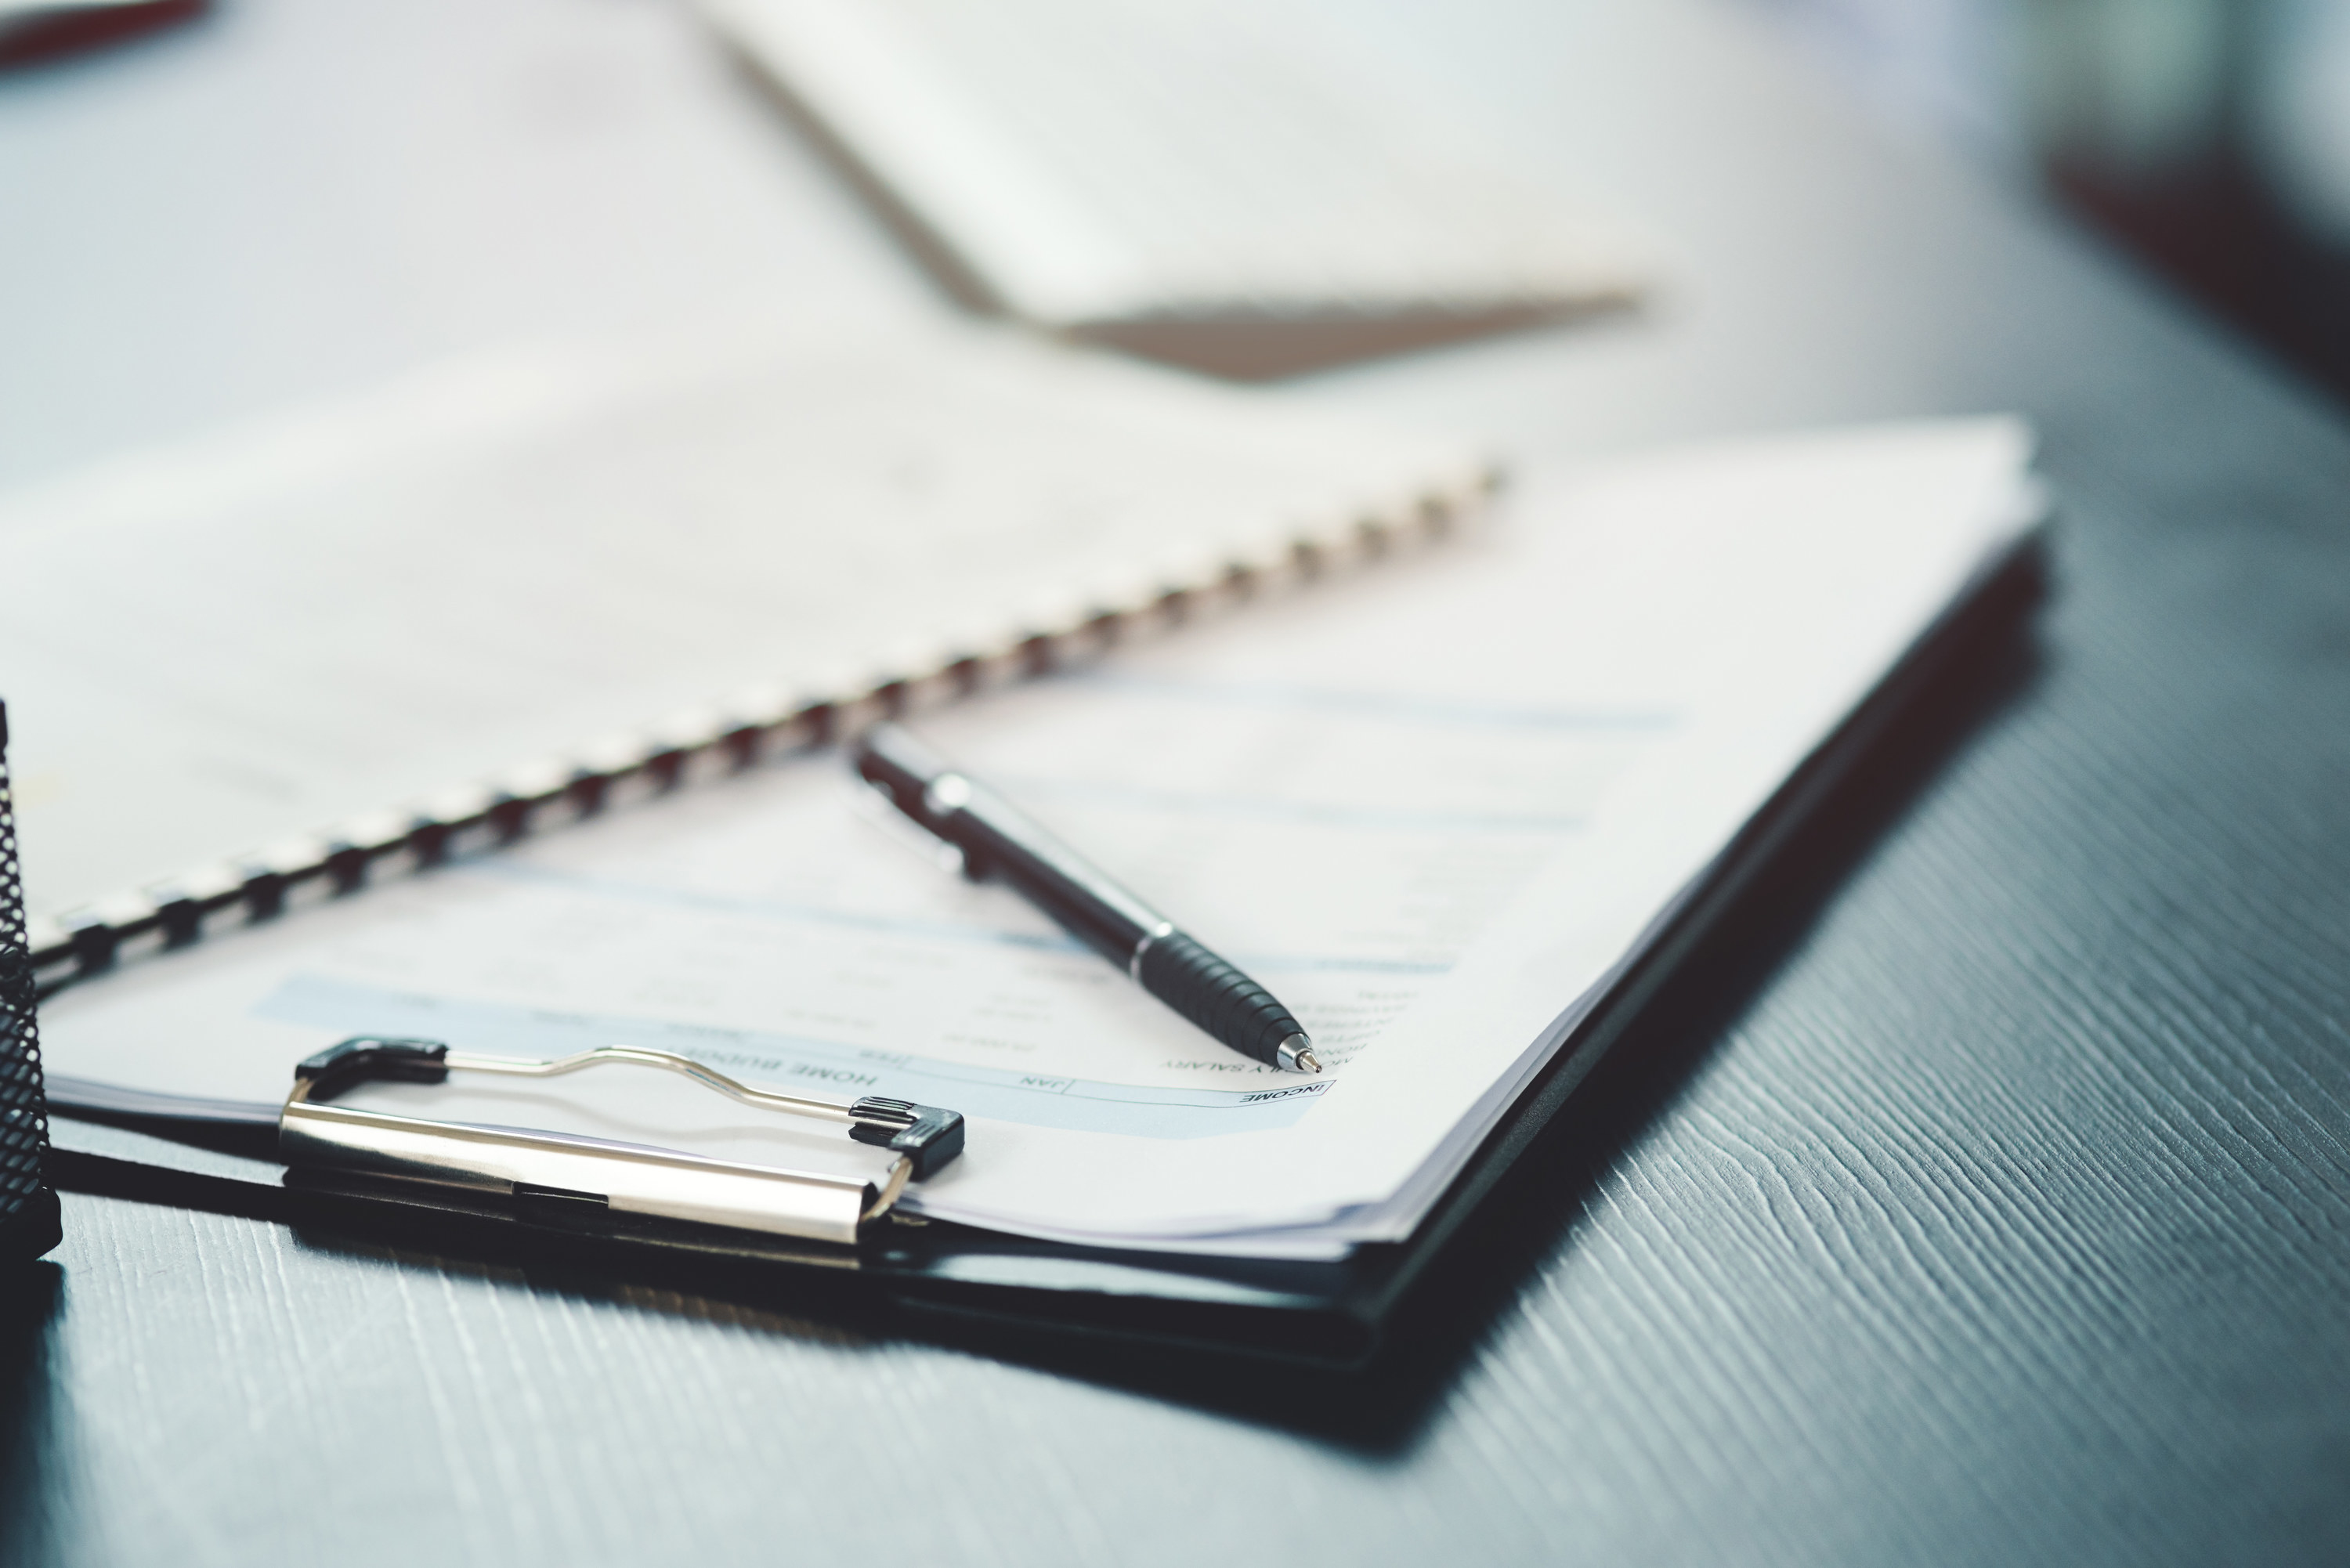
<point x="287" y="660"/>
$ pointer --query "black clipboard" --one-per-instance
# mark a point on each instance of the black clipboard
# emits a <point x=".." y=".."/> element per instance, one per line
<point x="223" y="1159"/>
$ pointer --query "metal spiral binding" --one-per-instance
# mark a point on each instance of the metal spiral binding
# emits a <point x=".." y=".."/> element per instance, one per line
<point x="340" y="860"/>
<point x="24" y="1116"/>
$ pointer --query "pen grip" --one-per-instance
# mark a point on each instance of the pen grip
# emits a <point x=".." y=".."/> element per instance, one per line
<point x="1217" y="997"/>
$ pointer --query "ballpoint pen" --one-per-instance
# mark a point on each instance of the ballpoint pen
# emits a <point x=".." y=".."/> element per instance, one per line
<point x="999" y="841"/>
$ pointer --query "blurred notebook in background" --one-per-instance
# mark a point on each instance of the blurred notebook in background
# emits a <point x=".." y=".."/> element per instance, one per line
<point x="259" y="664"/>
<point x="1206" y="182"/>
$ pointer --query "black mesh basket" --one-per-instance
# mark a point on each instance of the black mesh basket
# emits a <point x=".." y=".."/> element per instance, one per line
<point x="28" y="1209"/>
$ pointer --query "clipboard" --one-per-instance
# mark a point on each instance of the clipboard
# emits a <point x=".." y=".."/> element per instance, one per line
<point x="316" y="1137"/>
<point x="1327" y="1315"/>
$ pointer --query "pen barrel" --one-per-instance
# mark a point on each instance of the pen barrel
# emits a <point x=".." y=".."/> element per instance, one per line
<point x="998" y="841"/>
<point x="1096" y="912"/>
<point x="1217" y="997"/>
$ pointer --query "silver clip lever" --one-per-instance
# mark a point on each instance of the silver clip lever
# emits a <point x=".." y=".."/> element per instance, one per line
<point x="625" y="1178"/>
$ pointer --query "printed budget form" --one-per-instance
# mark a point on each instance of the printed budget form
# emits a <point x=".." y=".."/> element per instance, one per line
<point x="1432" y="810"/>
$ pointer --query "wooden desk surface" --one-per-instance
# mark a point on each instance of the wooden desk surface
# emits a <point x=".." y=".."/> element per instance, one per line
<point x="1987" y="1201"/>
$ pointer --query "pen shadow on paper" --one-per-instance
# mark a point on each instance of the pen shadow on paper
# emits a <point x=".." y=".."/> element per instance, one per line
<point x="1381" y="1407"/>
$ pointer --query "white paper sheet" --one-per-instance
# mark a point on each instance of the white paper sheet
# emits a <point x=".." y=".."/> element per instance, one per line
<point x="1429" y="810"/>
<point x="1153" y="162"/>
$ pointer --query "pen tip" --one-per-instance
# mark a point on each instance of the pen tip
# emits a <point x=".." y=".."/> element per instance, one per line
<point x="1309" y="1061"/>
<point x="1297" y="1055"/>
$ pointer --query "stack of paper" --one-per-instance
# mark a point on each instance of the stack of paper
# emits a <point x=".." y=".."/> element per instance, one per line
<point x="1433" y="810"/>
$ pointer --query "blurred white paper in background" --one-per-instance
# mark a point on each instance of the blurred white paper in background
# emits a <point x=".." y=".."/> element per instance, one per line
<point x="1212" y="183"/>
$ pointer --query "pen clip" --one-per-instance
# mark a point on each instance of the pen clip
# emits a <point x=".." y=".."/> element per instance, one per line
<point x="875" y="807"/>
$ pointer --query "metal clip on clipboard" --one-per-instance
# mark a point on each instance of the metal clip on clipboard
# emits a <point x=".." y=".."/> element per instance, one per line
<point x="628" y="1180"/>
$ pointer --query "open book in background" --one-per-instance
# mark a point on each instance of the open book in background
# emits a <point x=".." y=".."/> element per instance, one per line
<point x="1441" y="812"/>
<point x="276" y="662"/>
<point x="1213" y="182"/>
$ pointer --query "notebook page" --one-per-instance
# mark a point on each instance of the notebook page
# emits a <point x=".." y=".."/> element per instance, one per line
<point x="1431" y="812"/>
<point x="210" y="650"/>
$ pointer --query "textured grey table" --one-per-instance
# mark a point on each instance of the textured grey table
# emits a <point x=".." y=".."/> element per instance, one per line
<point x="1983" y="1198"/>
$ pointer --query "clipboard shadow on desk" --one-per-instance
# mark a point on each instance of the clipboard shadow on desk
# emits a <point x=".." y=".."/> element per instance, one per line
<point x="1377" y="1335"/>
